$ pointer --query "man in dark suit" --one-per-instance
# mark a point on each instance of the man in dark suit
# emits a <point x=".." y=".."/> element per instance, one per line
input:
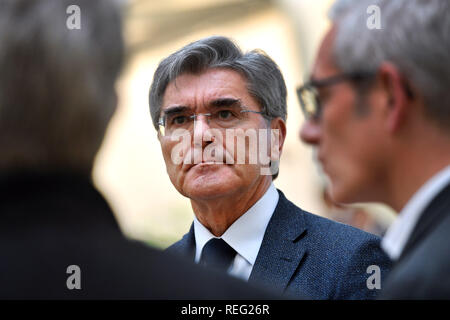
<point x="220" y="116"/>
<point x="378" y="112"/>
<point x="58" y="236"/>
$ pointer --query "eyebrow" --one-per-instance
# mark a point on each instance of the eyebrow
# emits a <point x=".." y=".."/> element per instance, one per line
<point x="314" y="80"/>
<point x="175" y="109"/>
<point x="216" y="103"/>
<point x="320" y="84"/>
<point x="225" y="102"/>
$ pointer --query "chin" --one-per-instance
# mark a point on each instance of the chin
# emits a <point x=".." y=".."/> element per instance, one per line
<point x="209" y="191"/>
<point x="338" y="190"/>
<point x="341" y="198"/>
<point x="211" y="185"/>
<point x="345" y="194"/>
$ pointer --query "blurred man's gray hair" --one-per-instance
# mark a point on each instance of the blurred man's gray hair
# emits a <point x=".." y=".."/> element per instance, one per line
<point x="264" y="79"/>
<point x="56" y="84"/>
<point x="414" y="36"/>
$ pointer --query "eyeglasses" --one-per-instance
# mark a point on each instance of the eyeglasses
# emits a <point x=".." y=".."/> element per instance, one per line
<point x="308" y="94"/>
<point x="220" y="118"/>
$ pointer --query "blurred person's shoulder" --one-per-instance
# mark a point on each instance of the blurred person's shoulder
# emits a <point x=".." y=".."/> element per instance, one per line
<point x="57" y="227"/>
<point x="423" y="272"/>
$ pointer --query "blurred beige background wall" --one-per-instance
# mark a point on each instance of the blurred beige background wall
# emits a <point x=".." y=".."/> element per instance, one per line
<point x="130" y="170"/>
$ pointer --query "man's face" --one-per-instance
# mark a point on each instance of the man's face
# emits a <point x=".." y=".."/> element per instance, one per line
<point x="350" y="143"/>
<point x="199" y="94"/>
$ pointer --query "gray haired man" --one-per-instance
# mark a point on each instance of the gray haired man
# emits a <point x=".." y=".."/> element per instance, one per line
<point x="220" y="116"/>
<point x="379" y="113"/>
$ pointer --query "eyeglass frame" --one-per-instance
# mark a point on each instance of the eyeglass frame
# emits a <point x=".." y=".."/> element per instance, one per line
<point x="195" y="115"/>
<point x="329" y="81"/>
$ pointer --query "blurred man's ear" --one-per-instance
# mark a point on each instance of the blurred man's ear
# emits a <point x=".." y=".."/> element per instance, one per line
<point x="396" y="100"/>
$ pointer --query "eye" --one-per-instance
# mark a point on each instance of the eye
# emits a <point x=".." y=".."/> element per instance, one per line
<point x="225" y="115"/>
<point x="323" y="94"/>
<point x="178" y="120"/>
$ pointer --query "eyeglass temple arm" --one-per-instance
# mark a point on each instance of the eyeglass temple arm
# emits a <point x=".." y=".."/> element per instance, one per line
<point x="259" y="112"/>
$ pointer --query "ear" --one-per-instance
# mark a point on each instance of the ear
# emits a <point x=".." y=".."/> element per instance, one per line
<point x="395" y="96"/>
<point x="279" y="125"/>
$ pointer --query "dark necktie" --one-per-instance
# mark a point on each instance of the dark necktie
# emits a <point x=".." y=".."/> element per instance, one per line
<point x="217" y="254"/>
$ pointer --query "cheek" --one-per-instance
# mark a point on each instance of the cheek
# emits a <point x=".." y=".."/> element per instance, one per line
<point x="166" y="151"/>
<point x="248" y="146"/>
<point x="246" y="172"/>
<point x="173" y="160"/>
<point x="356" y="169"/>
<point x="343" y="132"/>
<point x="337" y="140"/>
<point x="349" y="151"/>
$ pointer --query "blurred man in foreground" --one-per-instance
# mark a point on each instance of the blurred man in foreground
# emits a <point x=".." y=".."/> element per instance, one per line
<point x="378" y="111"/>
<point x="220" y="116"/>
<point x="58" y="237"/>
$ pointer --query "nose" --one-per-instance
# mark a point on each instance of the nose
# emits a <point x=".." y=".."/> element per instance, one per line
<point x="200" y="126"/>
<point x="310" y="132"/>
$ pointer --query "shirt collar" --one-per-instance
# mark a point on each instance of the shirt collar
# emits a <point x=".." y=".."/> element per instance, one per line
<point x="245" y="235"/>
<point x="399" y="232"/>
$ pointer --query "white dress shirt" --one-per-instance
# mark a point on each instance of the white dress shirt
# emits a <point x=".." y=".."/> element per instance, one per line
<point x="400" y="231"/>
<point x="245" y="235"/>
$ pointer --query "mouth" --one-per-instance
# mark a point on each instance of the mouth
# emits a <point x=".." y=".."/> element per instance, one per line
<point x="204" y="163"/>
<point x="207" y="161"/>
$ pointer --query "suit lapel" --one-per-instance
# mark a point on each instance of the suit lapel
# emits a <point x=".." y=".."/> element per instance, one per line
<point x="437" y="210"/>
<point x="186" y="246"/>
<point x="280" y="252"/>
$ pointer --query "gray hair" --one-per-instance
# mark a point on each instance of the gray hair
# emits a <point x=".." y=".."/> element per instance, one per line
<point x="264" y="79"/>
<point x="414" y="36"/>
<point x="56" y="84"/>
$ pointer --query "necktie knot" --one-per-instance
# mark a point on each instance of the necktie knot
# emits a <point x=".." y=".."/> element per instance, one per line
<point x="217" y="254"/>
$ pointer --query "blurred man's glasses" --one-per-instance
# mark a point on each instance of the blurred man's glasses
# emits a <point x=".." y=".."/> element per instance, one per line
<point x="308" y="94"/>
<point x="221" y="117"/>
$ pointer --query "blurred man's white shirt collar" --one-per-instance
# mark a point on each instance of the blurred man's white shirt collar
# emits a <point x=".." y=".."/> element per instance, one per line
<point x="245" y="235"/>
<point x="400" y="231"/>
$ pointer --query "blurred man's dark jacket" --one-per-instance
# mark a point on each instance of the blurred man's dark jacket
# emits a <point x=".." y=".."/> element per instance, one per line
<point x="422" y="271"/>
<point x="50" y="221"/>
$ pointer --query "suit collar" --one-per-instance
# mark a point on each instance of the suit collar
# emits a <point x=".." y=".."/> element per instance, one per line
<point x="402" y="228"/>
<point x="281" y="251"/>
<point x="436" y="211"/>
<point x="186" y="246"/>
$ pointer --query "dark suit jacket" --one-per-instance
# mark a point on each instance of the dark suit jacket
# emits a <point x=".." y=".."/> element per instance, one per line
<point x="423" y="269"/>
<point x="303" y="253"/>
<point x="51" y="221"/>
